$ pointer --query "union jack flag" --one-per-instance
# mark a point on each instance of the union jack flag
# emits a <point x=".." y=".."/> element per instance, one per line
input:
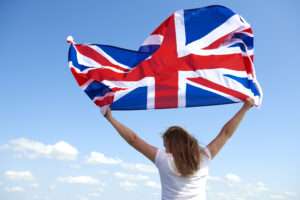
<point x="196" y="57"/>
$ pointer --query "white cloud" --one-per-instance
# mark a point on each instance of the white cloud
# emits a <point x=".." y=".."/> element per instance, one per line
<point x="139" y="167"/>
<point x="100" y="158"/>
<point x="131" y="181"/>
<point x="231" y="187"/>
<point x="277" y="196"/>
<point x="128" y="186"/>
<point x="79" y="180"/>
<point x="215" y="178"/>
<point x="260" y="186"/>
<point x="34" y="185"/>
<point x="34" y="149"/>
<point x="94" y="194"/>
<point x="232" y="178"/>
<point x="14" y="189"/>
<point x="222" y="195"/>
<point x="238" y="198"/>
<point x="103" y="172"/>
<point x="153" y="184"/>
<point x="19" y="175"/>
<point x="130" y="177"/>
<point x="82" y="198"/>
<point x="100" y="189"/>
<point x="290" y="194"/>
<point x="227" y="179"/>
<point x="52" y="187"/>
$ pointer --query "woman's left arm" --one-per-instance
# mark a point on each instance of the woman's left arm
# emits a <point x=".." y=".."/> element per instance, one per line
<point x="131" y="137"/>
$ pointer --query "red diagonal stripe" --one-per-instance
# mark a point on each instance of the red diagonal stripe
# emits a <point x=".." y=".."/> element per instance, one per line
<point x="80" y="78"/>
<point x="218" y="42"/>
<point x="230" y="61"/>
<point x="215" y="86"/>
<point x="248" y="30"/>
<point x="94" y="55"/>
<point x="104" y="101"/>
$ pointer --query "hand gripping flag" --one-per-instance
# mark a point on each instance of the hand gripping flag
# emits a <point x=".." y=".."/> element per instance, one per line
<point x="196" y="57"/>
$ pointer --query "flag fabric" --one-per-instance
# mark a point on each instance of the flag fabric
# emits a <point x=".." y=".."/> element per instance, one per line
<point x="196" y="57"/>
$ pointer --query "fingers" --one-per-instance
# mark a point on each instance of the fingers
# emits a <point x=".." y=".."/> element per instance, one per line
<point x="249" y="102"/>
<point x="105" y="110"/>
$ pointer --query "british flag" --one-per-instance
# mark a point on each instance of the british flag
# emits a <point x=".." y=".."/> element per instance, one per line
<point x="196" y="57"/>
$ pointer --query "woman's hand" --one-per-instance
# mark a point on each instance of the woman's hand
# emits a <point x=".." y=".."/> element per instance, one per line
<point x="108" y="114"/>
<point x="249" y="103"/>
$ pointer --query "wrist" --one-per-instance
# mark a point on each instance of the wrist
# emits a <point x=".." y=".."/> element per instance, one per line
<point x="246" y="107"/>
<point x="109" y="118"/>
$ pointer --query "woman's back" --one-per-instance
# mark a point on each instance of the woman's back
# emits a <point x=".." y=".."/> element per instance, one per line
<point x="185" y="153"/>
<point x="176" y="187"/>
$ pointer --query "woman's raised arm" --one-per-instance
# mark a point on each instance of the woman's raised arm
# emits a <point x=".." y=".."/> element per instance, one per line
<point x="131" y="137"/>
<point x="229" y="128"/>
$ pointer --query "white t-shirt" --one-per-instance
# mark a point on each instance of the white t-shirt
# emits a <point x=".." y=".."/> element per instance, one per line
<point x="175" y="187"/>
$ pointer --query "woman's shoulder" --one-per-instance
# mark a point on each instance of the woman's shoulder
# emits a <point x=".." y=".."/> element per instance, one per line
<point x="161" y="155"/>
<point x="204" y="151"/>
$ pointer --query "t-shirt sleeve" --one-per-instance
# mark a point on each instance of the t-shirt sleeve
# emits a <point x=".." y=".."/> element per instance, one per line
<point x="207" y="152"/>
<point x="159" y="157"/>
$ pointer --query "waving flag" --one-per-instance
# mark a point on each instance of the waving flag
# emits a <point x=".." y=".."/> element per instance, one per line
<point x="196" y="57"/>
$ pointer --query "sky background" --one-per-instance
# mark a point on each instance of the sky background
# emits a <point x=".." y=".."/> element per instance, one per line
<point x="54" y="143"/>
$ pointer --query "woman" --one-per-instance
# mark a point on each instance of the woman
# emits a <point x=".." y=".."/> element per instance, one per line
<point x="183" y="165"/>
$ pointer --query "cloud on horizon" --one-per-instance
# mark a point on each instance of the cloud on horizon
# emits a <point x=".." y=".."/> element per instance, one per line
<point x="32" y="149"/>
<point x="19" y="175"/>
<point x="87" y="180"/>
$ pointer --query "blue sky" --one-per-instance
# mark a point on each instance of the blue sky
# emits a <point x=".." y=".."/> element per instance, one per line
<point x="54" y="143"/>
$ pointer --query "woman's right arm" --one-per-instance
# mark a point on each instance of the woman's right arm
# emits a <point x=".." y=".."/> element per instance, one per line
<point x="229" y="128"/>
<point x="132" y="138"/>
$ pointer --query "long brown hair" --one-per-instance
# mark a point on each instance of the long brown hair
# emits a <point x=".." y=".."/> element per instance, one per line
<point x="184" y="148"/>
